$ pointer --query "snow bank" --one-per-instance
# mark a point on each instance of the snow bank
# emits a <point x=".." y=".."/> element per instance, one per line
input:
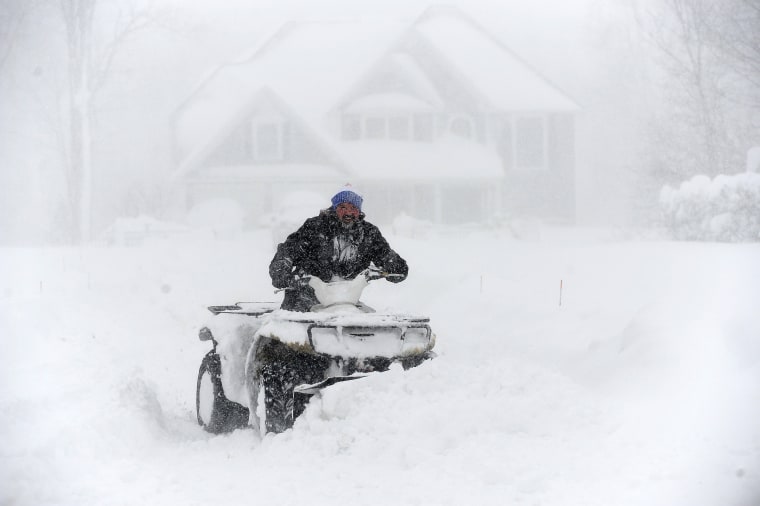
<point x="135" y="231"/>
<point x="726" y="208"/>
<point x="223" y="217"/>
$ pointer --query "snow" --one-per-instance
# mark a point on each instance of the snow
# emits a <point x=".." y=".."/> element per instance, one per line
<point x="220" y="215"/>
<point x="382" y="103"/>
<point x="499" y="75"/>
<point x="725" y="208"/>
<point x="641" y="388"/>
<point x="130" y="231"/>
<point x="441" y="160"/>
<point x="280" y="68"/>
<point x="753" y="159"/>
<point x="288" y="72"/>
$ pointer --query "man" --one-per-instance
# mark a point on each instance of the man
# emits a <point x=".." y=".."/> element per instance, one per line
<point x="336" y="243"/>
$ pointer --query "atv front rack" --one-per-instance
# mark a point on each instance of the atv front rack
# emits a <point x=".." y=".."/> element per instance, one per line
<point x="246" y="308"/>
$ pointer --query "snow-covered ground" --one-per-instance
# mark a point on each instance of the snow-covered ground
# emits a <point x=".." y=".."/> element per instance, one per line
<point x="641" y="388"/>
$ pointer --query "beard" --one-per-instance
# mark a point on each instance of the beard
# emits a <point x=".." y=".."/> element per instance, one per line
<point x="347" y="222"/>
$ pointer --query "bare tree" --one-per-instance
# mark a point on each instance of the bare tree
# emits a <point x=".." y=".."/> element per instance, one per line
<point x="709" y="53"/>
<point x="89" y="64"/>
<point x="12" y="15"/>
<point x="692" y="120"/>
<point x="77" y="17"/>
<point x="737" y="37"/>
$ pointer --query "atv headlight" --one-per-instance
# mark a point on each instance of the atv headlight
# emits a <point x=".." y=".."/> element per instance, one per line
<point x="416" y="340"/>
<point x="356" y="341"/>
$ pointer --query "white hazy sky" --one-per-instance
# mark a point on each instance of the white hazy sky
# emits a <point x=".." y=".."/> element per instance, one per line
<point x="546" y="32"/>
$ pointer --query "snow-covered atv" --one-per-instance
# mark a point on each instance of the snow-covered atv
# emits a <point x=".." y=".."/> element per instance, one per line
<point x="267" y="362"/>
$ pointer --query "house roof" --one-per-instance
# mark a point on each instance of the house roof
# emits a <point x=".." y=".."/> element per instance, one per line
<point x="447" y="158"/>
<point x="377" y="160"/>
<point x="309" y="67"/>
<point x="503" y="78"/>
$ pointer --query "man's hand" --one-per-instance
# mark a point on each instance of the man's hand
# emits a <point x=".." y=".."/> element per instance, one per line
<point x="300" y="280"/>
<point x="373" y="273"/>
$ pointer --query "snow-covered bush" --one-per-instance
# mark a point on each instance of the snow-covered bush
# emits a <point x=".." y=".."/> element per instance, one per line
<point x="726" y="208"/>
<point x="223" y="217"/>
<point x="135" y="231"/>
<point x="291" y="211"/>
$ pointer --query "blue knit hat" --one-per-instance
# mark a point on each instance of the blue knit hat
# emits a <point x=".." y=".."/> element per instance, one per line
<point x="347" y="194"/>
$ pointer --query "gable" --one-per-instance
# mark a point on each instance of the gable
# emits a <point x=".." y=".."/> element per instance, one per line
<point x="268" y="134"/>
<point x="447" y="63"/>
<point x="308" y="65"/>
<point x="265" y="132"/>
<point x="397" y="74"/>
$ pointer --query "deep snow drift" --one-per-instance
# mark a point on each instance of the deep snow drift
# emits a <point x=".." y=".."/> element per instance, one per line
<point x="641" y="388"/>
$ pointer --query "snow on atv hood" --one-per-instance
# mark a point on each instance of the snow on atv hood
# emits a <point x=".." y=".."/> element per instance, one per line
<point x="339" y="291"/>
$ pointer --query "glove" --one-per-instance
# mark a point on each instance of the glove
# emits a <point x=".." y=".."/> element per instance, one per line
<point x="281" y="271"/>
<point x="300" y="280"/>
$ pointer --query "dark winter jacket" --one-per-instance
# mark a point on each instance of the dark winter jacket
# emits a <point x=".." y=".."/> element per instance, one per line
<point x="324" y="247"/>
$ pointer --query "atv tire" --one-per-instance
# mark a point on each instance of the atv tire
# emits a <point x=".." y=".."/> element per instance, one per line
<point x="414" y="361"/>
<point x="216" y="414"/>
<point x="283" y="369"/>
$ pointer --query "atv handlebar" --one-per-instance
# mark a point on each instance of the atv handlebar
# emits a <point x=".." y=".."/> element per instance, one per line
<point x="370" y="274"/>
<point x="373" y="273"/>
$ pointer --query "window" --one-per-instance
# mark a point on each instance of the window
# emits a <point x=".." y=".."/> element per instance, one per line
<point x="374" y="128"/>
<point x="351" y="127"/>
<point x="530" y="143"/>
<point x="461" y="126"/>
<point x="423" y="127"/>
<point x="268" y="141"/>
<point x="398" y="128"/>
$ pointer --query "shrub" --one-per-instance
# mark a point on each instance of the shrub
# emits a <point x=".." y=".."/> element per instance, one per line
<point x="726" y="208"/>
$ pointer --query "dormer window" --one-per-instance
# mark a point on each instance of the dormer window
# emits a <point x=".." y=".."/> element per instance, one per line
<point x="390" y="116"/>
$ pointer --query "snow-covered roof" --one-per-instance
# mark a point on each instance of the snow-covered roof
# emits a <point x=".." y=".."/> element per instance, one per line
<point x="309" y="68"/>
<point x="448" y="158"/>
<point x="384" y="102"/>
<point x="244" y="173"/>
<point x="501" y="77"/>
<point x="307" y="65"/>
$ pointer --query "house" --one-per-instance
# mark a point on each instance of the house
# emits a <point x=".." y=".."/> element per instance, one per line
<point x="436" y="119"/>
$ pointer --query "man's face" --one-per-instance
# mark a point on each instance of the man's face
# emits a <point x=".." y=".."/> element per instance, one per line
<point x="347" y="213"/>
